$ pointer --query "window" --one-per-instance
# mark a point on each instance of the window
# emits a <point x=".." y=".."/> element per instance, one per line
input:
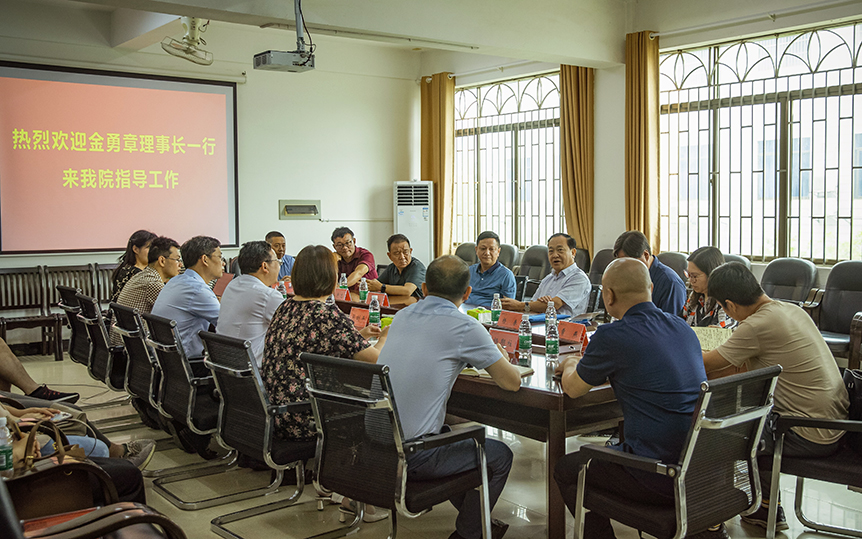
<point x="761" y="146"/>
<point x="507" y="161"/>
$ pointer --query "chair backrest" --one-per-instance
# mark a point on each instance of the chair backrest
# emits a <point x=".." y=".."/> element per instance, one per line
<point x="142" y="375"/>
<point x="359" y="435"/>
<point x="738" y="258"/>
<point x="509" y="255"/>
<point x="79" y="343"/>
<point x="595" y="302"/>
<point x="534" y="263"/>
<point x="789" y="279"/>
<point x="234" y="266"/>
<point x="600" y="262"/>
<point x="80" y="277"/>
<point x="582" y="260"/>
<point x="467" y="252"/>
<point x="678" y="262"/>
<point x="102" y="276"/>
<point x="101" y="358"/>
<point x="22" y="289"/>
<point x="245" y="414"/>
<point x="520" y="284"/>
<point x="175" y="392"/>
<point x="843" y="296"/>
<point x="718" y="469"/>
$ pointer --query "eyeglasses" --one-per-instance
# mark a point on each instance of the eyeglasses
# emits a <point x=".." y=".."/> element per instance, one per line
<point x="177" y="260"/>
<point x="695" y="276"/>
<point x="348" y="243"/>
<point x="274" y="261"/>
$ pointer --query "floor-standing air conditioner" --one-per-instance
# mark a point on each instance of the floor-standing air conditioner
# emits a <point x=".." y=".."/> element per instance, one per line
<point x="414" y="217"/>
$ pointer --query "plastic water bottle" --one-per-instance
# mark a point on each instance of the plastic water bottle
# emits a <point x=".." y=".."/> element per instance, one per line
<point x="552" y="345"/>
<point x="330" y="301"/>
<point x="550" y="316"/>
<point x="6" y="464"/>
<point x="363" y="289"/>
<point x="525" y="341"/>
<point x="374" y="312"/>
<point x="496" y="309"/>
<point x="342" y="283"/>
<point x="281" y="289"/>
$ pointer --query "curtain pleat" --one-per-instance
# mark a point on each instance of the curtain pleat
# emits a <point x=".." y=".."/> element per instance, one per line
<point x="577" y="164"/>
<point x="438" y="150"/>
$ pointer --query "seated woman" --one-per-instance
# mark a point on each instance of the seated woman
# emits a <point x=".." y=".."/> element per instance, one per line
<point x="132" y="261"/>
<point x="701" y="310"/>
<point x="305" y="323"/>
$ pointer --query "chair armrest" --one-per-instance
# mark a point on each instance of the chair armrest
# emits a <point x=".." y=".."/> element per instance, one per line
<point x="599" y="452"/>
<point x="476" y="432"/>
<point x="116" y="521"/>
<point x="203" y="381"/>
<point x="295" y="407"/>
<point x="76" y="522"/>
<point x="786" y="422"/>
<point x="812" y="304"/>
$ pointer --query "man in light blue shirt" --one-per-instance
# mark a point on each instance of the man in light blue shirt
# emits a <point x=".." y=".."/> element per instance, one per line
<point x="488" y="276"/>
<point x="567" y="286"/>
<point x="441" y="341"/>
<point x="187" y="299"/>
<point x="249" y="301"/>
<point x="279" y="245"/>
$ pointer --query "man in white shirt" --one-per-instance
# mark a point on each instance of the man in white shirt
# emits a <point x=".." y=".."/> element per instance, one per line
<point x="249" y="301"/>
<point x="567" y="285"/>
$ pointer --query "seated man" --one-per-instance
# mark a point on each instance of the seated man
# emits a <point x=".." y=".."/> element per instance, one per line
<point x="777" y="333"/>
<point x="567" y="285"/>
<point x="353" y="261"/>
<point x="442" y="340"/>
<point x="13" y="373"/>
<point x="488" y="276"/>
<point x="187" y="299"/>
<point x="279" y="245"/>
<point x="668" y="290"/>
<point x="653" y="362"/>
<point x="141" y="291"/>
<point x="405" y="275"/>
<point x="249" y="301"/>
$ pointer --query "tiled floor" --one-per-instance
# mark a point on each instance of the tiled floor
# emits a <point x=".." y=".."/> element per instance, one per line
<point x="522" y="504"/>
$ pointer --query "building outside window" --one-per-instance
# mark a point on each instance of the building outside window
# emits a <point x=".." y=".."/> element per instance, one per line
<point x="761" y="146"/>
<point x="507" y="161"/>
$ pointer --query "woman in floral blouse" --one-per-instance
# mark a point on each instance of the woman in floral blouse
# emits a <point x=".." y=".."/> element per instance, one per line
<point x="701" y="310"/>
<point x="304" y="323"/>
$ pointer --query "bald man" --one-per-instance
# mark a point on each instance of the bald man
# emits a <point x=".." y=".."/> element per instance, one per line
<point x="653" y="361"/>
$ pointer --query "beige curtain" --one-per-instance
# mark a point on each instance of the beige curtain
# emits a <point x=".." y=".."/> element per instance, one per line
<point x="576" y="154"/>
<point x="642" y="205"/>
<point x="438" y="150"/>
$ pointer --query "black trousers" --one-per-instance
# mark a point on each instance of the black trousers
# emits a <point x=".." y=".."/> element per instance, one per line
<point x="602" y="476"/>
<point x="127" y="479"/>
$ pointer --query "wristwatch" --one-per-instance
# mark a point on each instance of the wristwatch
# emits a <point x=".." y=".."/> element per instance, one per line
<point x="383" y="288"/>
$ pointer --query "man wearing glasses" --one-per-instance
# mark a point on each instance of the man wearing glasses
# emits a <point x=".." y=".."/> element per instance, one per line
<point x="353" y="261"/>
<point x="187" y="299"/>
<point x="279" y="245"/>
<point x="405" y="275"/>
<point x="249" y="301"/>
<point x="567" y="286"/>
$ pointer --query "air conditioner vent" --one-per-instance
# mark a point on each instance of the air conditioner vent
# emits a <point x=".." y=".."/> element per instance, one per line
<point x="412" y="195"/>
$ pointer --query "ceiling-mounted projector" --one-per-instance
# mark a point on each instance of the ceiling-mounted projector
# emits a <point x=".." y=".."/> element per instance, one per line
<point x="293" y="61"/>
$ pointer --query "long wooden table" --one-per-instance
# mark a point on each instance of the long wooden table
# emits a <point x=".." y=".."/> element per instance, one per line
<point x="540" y="411"/>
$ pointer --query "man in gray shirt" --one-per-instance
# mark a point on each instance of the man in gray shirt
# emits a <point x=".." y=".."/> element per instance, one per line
<point x="441" y="341"/>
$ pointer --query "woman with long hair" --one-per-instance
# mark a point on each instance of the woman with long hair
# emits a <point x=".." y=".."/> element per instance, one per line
<point x="132" y="261"/>
<point x="701" y="310"/>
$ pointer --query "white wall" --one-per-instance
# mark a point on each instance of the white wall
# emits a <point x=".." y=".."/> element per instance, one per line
<point x="341" y="133"/>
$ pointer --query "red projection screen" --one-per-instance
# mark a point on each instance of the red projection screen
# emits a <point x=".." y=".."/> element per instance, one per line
<point x="87" y="158"/>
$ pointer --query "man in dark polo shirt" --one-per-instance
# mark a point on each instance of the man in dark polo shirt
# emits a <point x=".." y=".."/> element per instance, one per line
<point x="353" y="261"/>
<point x="405" y="275"/>
<point x="668" y="290"/>
<point x="654" y="364"/>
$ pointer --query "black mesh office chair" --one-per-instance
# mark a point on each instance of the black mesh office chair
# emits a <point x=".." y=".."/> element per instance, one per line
<point x="716" y="476"/>
<point x="509" y="255"/>
<point x="678" y="262"/>
<point x="107" y="363"/>
<point x="246" y="423"/>
<point x="361" y="450"/>
<point x="838" y="314"/>
<point x="187" y="395"/>
<point x="738" y="258"/>
<point x="600" y="262"/>
<point x="79" y="345"/>
<point x="143" y="374"/>
<point x="789" y="279"/>
<point x="467" y="253"/>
